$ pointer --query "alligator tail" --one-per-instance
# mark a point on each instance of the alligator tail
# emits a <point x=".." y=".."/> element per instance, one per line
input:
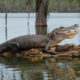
<point x="3" y="48"/>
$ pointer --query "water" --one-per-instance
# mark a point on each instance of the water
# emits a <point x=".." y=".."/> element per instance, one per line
<point x="18" y="24"/>
<point x="38" y="68"/>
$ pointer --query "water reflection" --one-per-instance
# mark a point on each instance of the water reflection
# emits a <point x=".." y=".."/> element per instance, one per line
<point x="17" y="68"/>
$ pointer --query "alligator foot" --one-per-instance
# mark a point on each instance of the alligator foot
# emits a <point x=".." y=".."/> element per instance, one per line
<point x="50" y="52"/>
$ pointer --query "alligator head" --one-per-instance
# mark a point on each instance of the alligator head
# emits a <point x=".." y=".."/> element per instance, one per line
<point x="59" y="34"/>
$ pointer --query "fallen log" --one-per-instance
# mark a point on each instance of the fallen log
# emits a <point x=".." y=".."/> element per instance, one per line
<point x="67" y="50"/>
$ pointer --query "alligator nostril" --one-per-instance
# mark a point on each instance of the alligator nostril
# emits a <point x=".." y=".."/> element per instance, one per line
<point x="61" y="27"/>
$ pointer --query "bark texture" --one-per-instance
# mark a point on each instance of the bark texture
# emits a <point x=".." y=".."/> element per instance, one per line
<point x="41" y="16"/>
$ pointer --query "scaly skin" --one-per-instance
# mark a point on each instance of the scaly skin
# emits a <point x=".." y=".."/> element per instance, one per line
<point x="39" y="41"/>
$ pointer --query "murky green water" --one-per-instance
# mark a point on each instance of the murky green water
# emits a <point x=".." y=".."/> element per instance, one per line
<point x="38" y="68"/>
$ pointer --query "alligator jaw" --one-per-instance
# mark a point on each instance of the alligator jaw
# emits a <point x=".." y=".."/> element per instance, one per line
<point x="73" y="33"/>
<point x="64" y="33"/>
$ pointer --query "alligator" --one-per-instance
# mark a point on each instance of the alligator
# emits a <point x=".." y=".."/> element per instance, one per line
<point x="45" y="42"/>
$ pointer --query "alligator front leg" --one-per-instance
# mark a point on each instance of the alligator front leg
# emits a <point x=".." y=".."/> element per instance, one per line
<point x="46" y="50"/>
<point x="49" y="52"/>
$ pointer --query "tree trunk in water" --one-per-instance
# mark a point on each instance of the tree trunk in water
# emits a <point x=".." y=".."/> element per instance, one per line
<point x="6" y="26"/>
<point x="41" y="16"/>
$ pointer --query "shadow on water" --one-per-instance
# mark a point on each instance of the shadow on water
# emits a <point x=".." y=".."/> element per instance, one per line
<point x="36" y="68"/>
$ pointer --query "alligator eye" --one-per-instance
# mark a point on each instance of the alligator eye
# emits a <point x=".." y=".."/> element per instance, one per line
<point x="76" y="25"/>
<point x="61" y="27"/>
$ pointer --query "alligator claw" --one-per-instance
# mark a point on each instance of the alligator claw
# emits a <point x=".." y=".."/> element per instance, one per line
<point x="50" y="52"/>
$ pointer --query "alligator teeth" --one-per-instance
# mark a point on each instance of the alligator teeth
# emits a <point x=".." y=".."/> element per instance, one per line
<point x="67" y="32"/>
<point x="72" y="30"/>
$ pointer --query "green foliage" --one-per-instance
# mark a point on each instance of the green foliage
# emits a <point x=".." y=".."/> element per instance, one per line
<point x="64" y="6"/>
<point x="29" y="5"/>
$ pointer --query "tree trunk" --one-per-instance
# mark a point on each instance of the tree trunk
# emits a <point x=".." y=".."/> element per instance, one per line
<point x="6" y="27"/>
<point x="41" y="16"/>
